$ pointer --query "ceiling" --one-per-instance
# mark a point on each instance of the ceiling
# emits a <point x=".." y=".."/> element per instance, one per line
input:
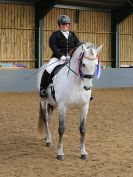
<point x="104" y="4"/>
<point x="98" y="4"/>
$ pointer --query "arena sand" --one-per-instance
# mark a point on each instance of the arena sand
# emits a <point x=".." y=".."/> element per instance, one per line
<point x="109" y="138"/>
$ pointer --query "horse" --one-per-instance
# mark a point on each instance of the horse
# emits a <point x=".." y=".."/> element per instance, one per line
<point x="72" y="87"/>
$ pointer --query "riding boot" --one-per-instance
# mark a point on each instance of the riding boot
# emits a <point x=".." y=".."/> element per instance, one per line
<point x="44" y="84"/>
<point x="91" y="98"/>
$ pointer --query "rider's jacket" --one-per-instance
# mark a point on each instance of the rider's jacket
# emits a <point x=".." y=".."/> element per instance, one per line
<point x="60" y="45"/>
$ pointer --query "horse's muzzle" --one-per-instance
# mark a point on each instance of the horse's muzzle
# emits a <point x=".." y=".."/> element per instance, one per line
<point x="87" y="88"/>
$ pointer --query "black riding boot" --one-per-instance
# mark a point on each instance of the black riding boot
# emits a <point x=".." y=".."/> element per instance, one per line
<point x="91" y="98"/>
<point x="44" y="84"/>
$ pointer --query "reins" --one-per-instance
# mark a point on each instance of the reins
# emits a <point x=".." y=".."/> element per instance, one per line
<point x="79" y="73"/>
<point x="70" y="69"/>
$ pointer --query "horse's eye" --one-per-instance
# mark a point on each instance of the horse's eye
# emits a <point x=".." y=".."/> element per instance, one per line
<point x="83" y="65"/>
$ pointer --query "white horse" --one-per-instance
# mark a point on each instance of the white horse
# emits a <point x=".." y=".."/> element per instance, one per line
<point x="72" y="86"/>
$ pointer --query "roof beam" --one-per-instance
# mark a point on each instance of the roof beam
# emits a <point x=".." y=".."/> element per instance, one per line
<point x="105" y="3"/>
<point x="45" y="6"/>
<point x="124" y="11"/>
<point x="92" y="3"/>
<point x="29" y="2"/>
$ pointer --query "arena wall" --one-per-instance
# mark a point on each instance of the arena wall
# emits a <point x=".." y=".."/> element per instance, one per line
<point x="15" y="81"/>
<point x="17" y="31"/>
<point x="126" y="41"/>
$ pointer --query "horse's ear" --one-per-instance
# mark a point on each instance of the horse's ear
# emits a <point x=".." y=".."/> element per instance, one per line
<point x="84" y="47"/>
<point x="99" y="48"/>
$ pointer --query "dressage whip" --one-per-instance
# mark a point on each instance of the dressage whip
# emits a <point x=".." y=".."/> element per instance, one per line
<point x="39" y="70"/>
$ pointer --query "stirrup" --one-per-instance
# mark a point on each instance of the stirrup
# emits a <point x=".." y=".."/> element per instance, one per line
<point x="43" y="94"/>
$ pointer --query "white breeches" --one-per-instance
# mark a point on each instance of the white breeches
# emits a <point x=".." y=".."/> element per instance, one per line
<point x="52" y="64"/>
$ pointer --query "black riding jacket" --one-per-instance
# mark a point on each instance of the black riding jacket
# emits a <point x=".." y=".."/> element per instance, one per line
<point x="60" y="45"/>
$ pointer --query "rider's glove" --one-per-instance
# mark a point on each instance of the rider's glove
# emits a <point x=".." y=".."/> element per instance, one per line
<point x="65" y="58"/>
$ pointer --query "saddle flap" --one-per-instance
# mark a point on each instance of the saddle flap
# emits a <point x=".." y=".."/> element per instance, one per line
<point x="55" y="71"/>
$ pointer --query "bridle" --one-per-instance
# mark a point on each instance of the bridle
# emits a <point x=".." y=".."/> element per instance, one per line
<point x="80" y="73"/>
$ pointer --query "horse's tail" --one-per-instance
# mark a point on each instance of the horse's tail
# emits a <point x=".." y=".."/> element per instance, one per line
<point x="41" y="123"/>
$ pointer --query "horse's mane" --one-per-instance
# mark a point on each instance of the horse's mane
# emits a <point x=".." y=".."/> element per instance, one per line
<point x="86" y="44"/>
<point x="78" y="45"/>
<point x="89" y="45"/>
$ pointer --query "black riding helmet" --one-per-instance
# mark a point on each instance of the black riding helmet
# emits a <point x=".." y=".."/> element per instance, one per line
<point x="63" y="19"/>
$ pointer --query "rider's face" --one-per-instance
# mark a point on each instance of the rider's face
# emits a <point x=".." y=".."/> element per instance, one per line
<point x="64" y="27"/>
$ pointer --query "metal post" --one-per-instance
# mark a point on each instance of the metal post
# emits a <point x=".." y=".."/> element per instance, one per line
<point x="40" y="43"/>
<point x="117" y="16"/>
<point x="117" y="47"/>
<point x="41" y="9"/>
<point x="115" y="42"/>
<point x="38" y="39"/>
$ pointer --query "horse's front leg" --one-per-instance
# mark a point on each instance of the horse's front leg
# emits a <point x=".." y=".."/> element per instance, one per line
<point x="60" y="155"/>
<point x="82" y="128"/>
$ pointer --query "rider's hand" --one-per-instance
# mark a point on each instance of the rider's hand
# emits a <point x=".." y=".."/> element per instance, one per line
<point x="65" y="58"/>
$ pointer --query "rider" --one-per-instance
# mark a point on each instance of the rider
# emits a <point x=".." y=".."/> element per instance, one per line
<point x="61" y="42"/>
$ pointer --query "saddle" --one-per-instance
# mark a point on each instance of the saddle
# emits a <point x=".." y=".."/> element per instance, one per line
<point x="54" y="72"/>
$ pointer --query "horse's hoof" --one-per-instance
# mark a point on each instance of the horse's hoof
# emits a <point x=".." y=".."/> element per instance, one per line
<point x="49" y="144"/>
<point x="60" y="157"/>
<point x="84" y="157"/>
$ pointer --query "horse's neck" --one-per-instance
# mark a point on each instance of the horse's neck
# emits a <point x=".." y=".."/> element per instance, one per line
<point x="75" y="58"/>
<point x="73" y="72"/>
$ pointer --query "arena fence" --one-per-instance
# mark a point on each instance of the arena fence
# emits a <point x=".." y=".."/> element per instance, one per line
<point x="15" y="81"/>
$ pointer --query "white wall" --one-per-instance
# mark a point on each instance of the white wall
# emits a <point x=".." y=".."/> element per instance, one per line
<point x="14" y="81"/>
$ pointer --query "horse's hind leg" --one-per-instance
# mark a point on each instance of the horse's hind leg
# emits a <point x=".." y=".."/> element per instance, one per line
<point x="46" y="110"/>
<point x="82" y="128"/>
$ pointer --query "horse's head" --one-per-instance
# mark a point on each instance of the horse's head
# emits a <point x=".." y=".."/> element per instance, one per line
<point x="90" y="58"/>
<point x="87" y="62"/>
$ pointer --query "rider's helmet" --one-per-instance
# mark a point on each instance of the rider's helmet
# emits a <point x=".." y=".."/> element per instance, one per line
<point x="63" y="19"/>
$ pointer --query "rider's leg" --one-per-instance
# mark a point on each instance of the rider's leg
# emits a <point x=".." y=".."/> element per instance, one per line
<point x="46" y="76"/>
<point x="91" y="98"/>
<point x="44" y="84"/>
